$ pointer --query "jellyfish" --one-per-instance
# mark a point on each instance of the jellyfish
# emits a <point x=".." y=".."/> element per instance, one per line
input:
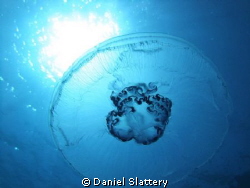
<point x="145" y="105"/>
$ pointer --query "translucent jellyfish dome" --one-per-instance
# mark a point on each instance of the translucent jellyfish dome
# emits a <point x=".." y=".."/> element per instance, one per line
<point x="144" y="105"/>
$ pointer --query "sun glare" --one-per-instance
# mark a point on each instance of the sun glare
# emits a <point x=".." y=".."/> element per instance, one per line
<point x="67" y="38"/>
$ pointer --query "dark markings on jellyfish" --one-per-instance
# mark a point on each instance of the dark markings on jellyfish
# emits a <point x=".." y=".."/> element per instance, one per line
<point x="64" y="137"/>
<point x="134" y="124"/>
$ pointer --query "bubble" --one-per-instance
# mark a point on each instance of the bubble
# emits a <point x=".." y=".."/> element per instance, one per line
<point x="144" y="105"/>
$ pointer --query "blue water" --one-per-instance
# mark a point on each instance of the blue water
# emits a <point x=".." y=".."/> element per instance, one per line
<point x="41" y="39"/>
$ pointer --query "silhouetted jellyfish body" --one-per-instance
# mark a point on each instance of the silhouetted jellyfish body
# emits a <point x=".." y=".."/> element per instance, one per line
<point x="144" y="124"/>
<point x="144" y="105"/>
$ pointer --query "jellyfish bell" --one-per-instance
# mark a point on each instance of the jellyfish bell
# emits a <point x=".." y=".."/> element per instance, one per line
<point x="144" y="105"/>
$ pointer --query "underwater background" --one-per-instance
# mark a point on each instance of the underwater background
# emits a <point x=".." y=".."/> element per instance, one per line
<point x="41" y="39"/>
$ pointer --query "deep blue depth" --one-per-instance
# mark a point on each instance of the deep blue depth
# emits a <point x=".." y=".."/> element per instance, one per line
<point x="28" y="155"/>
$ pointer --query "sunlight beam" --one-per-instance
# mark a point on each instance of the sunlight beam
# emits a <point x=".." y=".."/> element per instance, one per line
<point x="67" y="38"/>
